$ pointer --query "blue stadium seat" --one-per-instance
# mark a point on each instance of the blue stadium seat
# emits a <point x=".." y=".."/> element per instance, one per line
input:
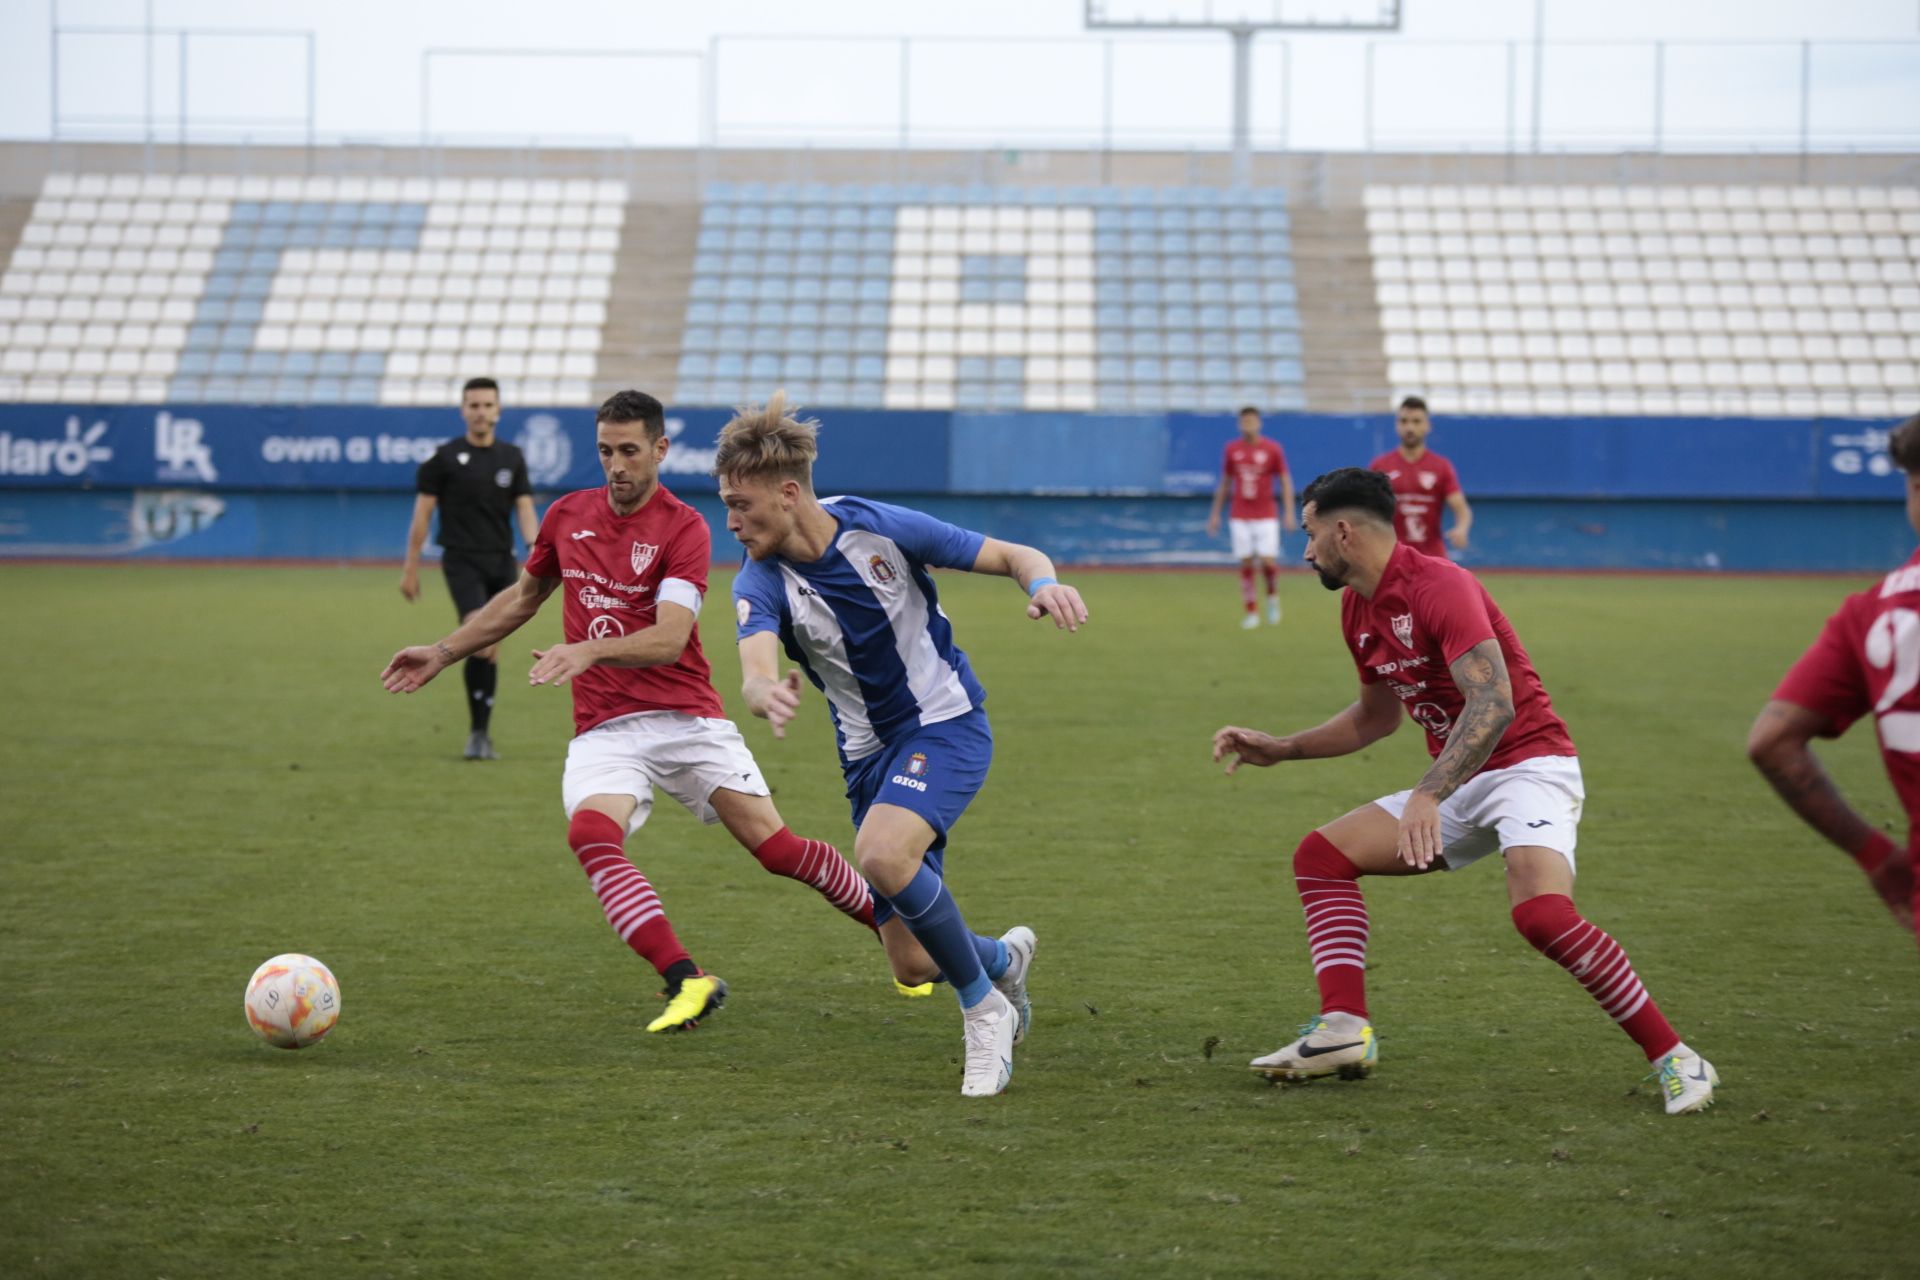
<point x="1006" y="395"/>
<point x="763" y="368"/>
<point x="976" y="291"/>
<point x="774" y="263"/>
<point x="731" y="338"/>
<point x="1110" y="369"/>
<point x="1216" y="342"/>
<point x="720" y="191"/>
<point x="836" y="365"/>
<point x="702" y="313"/>
<point x="804" y="313"/>
<point x="872" y="394"/>
<point x="1288" y="371"/>
<point x="871" y="313"/>
<point x="704" y="287"/>
<point x="870" y="342"/>
<point x="221" y="285"/>
<point x="276" y="211"/>
<point x="263" y="363"/>
<point x="729" y="367"/>
<point x="813" y="238"/>
<point x="1174" y="220"/>
<point x="1287" y="400"/>
<point x="877" y="266"/>
<point x="716" y="217"/>
<point x="746" y="240"/>
<point x="1112" y="397"/>
<point x="194" y="364"/>
<point x="781" y="220"/>
<point x="334" y="235"/>
<point x="797" y="366"/>
<point x="809" y="289"/>
<point x="229" y="364"/>
<point x="836" y="338"/>
<point x="202" y="337"/>
<point x="1183" y="370"/>
<point x="1181" y="343"/>
<point x="846" y="218"/>
<point x="253" y="390"/>
<point x="1146" y="342"/>
<point x="973" y="369"/>
<point x="297" y="237"/>
<point x="770" y="313"/>
<point x="361" y="391"/>
<point x="713" y="264"/>
<point x="1247" y="342"/>
<point x="826" y="392"/>
<point x="300" y="364"/>
<point x="799" y="340"/>
<point x="1008" y="369"/>
<point x="766" y="337"/>
<point x="244" y="211"/>
<point x="1213" y="372"/>
<point x="245" y="310"/>
<point x="1144" y="292"/>
<point x="1283" y="344"/>
<point x="839" y="288"/>
<point x="1250" y="370"/>
<point x="748" y="215"/>
<point x="189" y="389"/>
<point x="844" y="241"/>
<point x="694" y="365"/>
<point x="322" y="390"/>
<point x="837" y="315"/>
<point x="809" y="264"/>
<point x="377" y="213"/>
<point x="1145" y="369"/>
<point x="236" y="337"/>
<point x="874" y="290"/>
<point x="1210" y="267"/>
<point x="735" y="313"/>
<point x="333" y="364"/>
<point x="369" y="364"/>
<point x="288" y="391"/>
<point x="771" y="289"/>
<point x="869" y="368"/>
<point x="970" y="395"/>
<point x="1178" y="293"/>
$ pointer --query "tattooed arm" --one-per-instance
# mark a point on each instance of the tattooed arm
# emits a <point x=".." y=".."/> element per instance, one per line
<point x="1481" y="675"/>
<point x="1780" y="747"/>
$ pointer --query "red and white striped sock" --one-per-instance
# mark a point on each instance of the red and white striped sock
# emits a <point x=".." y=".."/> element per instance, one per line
<point x="1337" y="924"/>
<point x="1599" y="964"/>
<point x="1247" y="593"/>
<point x="817" y="863"/>
<point x="631" y="905"/>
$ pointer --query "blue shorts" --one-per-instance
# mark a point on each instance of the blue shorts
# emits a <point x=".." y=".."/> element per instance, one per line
<point x="935" y="771"/>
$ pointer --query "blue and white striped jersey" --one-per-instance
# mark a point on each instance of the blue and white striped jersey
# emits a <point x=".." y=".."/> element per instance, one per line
<point x="864" y="621"/>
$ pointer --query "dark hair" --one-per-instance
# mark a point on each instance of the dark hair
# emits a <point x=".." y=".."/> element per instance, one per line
<point x="480" y="384"/>
<point x="1246" y="409"/>
<point x="1415" y="402"/>
<point x="1351" y="489"/>
<point x="1903" y="445"/>
<point x="634" y="406"/>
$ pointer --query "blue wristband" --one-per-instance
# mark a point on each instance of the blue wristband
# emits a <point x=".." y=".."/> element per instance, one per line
<point x="1033" y="588"/>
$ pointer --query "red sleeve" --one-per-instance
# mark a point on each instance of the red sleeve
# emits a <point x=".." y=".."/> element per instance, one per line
<point x="1454" y="614"/>
<point x="1828" y="679"/>
<point x="1226" y="450"/>
<point x="541" y="560"/>
<point x="1279" y="460"/>
<point x="1449" y="482"/>
<point x="691" y="554"/>
<point x="1349" y="624"/>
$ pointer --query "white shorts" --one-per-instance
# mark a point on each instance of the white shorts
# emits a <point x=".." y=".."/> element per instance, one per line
<point x="1534" y="802"/>
<point x="1255" y="538"/>
<point x="688" y="757"/>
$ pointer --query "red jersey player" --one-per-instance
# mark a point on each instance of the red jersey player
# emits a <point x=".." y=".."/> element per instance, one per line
<point x="1867" y="659"/>
<point x="1249" y="467"/>
<point x="1422" y="480"/>
<point x="1426" y="636"/>
<point x="631" y="560"/>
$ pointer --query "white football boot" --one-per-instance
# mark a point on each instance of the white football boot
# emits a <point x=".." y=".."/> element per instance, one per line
<point x="1012" y="984"/>
<point x="1686" y="1081"/>
<point x="1335" y="1044"/>
<point x="987" y="1061"/>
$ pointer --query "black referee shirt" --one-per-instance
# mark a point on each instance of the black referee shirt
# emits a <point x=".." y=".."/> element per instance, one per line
<point x="476" y="487"/>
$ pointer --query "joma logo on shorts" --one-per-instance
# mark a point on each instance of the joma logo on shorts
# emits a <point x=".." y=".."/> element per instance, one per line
<point x="902" y="780"/>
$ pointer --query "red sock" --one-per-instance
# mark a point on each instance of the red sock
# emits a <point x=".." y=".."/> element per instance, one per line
<point x="1272" y="574"/>
<point x="1560" y="933"/>
<point x="1336" y="924"/>
<point x="631" y="905"/>
<point x="1246" y="588"/>
<point x="817" y="863"/>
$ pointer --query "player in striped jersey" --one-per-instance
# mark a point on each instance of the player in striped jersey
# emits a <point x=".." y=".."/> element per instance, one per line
<point x="842" y="585"/>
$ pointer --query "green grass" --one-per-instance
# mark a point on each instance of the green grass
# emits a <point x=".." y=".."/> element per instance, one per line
<point x="199" y="770"/>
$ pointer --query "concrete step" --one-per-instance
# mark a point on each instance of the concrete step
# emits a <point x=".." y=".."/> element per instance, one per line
<point x="1346" y="370"/>
<point x="640" y="343"/>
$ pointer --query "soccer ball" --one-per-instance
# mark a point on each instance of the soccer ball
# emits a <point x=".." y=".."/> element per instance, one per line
<point x="292" y="1001"/>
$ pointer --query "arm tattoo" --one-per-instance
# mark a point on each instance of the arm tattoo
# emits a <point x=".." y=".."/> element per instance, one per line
<point x="1481" y="674"/>
<point x="1797" y="774"/>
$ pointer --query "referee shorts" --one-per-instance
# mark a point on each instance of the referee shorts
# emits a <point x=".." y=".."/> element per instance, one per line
<point x="475" y="577"/>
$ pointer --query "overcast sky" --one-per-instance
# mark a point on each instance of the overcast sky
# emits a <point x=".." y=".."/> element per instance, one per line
<point x="982" y="72"/>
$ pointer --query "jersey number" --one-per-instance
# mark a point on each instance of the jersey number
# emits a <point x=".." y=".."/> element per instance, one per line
<point x="1416" y="527"/>
<point x="1894" y="641"/>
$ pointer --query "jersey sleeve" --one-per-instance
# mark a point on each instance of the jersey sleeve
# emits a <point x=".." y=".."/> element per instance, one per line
<point x="1449" y="482"/>
<point x="542" y="561"/>
<point x="930" y="541"/>
<point x="522" y="487"/>
<point x="1349" y="625"/>
<point x="431" y="477"/>
<point x="1279" y="460"/>
<point x="683" y="579"/>
<point x="1454" y="614"/>
<point x="758" y="600"/>
<point x="1226" y="465"/>
<point x="1828" y="679"/>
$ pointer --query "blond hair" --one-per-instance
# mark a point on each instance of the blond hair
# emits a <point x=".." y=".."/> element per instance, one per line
<point x="768" y="443"/>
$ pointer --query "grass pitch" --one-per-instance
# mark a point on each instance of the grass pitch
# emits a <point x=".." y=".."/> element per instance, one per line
<point x="200" y="770"/>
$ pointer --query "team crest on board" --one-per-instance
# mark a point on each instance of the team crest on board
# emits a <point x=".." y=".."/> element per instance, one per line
<point x="1403" y="629"/>
<point x="643" y="554"/>
<point x="881" y="570"/>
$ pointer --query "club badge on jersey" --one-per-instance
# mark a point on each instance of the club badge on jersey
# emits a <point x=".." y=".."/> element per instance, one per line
<point x="643" y="554"/>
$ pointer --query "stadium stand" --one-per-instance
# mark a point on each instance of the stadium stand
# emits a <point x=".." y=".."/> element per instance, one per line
<point x="1689" y="300"/>
<point x="307" y="289"/>
<point x="981" y="297"/>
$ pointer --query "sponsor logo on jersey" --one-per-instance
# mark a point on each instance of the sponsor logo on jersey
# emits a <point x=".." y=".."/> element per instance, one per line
<point x="1433" y="719"/>
<point x="595" y="600"/>
<point x="548" y="452"/>
<point x="882" y="571"/>
<point x="643" y="554"/>
<point x="912" y="784"/>
<point x="578" y="534"/>
<point x="1403" y="628"/>
<point x="602" y="627"/>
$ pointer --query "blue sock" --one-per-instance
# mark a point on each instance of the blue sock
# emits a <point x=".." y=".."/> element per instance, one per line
<point x="993" y="955"/>
<point x="933" y="916"/>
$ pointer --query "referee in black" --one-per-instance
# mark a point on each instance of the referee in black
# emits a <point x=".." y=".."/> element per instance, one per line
<point x="476" y="480"/>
